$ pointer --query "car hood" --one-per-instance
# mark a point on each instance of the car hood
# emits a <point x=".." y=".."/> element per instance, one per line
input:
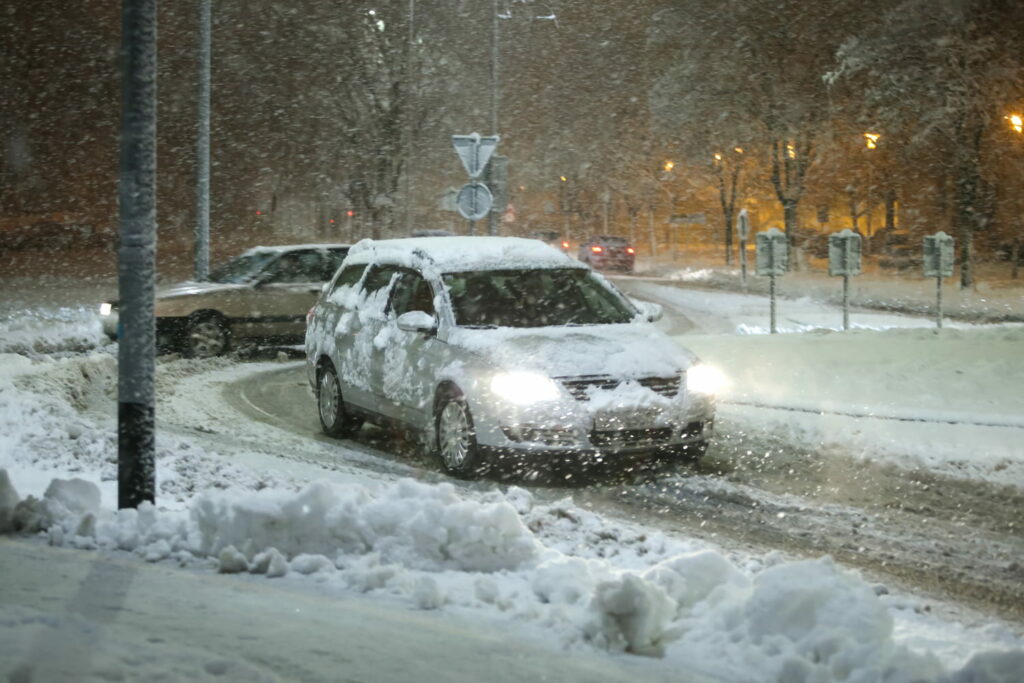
<point x="631" y="350"/>
<point x="191" y="288"/>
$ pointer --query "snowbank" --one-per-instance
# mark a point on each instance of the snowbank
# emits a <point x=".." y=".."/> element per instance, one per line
<point x="950" y="402"/>
<point x="809" y="620"/>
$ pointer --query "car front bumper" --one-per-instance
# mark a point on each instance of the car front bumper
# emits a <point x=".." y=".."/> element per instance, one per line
<point x="575" y="429"/>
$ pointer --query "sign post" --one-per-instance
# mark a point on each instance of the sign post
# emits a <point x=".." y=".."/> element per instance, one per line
<point x="474" y="151"/>
<point x="938" y="263"/>
<point x="844" y="258"/>
<point x="772" y="260"/>
<point x="743" y="228"/>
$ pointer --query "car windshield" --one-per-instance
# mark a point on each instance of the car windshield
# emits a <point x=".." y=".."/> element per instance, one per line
<point x="533" y="298"/>
<point x="242" y="268"/>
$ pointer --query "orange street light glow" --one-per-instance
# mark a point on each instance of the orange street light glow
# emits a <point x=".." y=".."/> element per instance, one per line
<point x="871" y="140"/>
<point x="1017" y="122"/>
<point x="669" y="165"/>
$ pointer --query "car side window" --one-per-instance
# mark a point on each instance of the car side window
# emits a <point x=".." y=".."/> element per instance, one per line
<point x="376" y="286"/>
<point x="349" y="276"/>
<point x="300" y="266"/>
<point x="378" y="278"/>
<point x="412" y="293"/>
<point x="332" y="259"/>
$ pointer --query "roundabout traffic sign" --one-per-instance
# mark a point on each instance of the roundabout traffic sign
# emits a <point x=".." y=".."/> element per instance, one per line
<point x="474" y="201"/>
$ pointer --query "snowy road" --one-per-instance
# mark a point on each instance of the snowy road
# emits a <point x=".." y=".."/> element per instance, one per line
<point x="959" y="540"/>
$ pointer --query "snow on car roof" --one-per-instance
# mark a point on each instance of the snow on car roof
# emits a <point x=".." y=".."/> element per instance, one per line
<point x="455" y="254"/>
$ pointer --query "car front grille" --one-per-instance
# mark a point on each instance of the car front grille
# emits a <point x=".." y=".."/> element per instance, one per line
<point x="630" y="438"/>
<point x="579" y="386"/>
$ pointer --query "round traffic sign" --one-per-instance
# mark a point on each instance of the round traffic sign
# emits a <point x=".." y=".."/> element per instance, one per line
<point x="474" y="201"/>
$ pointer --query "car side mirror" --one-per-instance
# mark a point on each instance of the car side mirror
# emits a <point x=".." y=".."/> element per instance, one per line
<point x="649" y="311"/>
<point x="417" y="321"/>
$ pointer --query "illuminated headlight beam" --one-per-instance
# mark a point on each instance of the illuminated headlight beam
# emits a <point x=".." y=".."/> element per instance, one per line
<point x="523" y="388"/>
<point x="706" y="379"/>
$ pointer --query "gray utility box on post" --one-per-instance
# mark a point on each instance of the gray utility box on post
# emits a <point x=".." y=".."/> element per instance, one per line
<point x="772" y="253"/>
<point x="844" y="253"/>
<point x="938" y="255"/>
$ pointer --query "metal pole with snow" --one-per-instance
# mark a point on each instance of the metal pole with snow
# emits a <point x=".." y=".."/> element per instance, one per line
<point x="772" y="261"/>
<point x="938" y="263"/>
<point x="136" y="481"/>
<point x="844" y="258"/>
<point x="202" y="236"/>
<point x="743" y="229"/>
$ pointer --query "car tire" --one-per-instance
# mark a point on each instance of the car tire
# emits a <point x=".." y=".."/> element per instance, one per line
<point x="206" y="336"/>
<point x="334" y="420"/>
<point x="456" y="438"/>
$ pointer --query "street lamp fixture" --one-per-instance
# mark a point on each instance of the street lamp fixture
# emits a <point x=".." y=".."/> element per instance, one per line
<point x="791" y="150"/>
<point x="718" y="157"/>
<point x="669" y="165"/>
<point x="563" y="178"/>
<point x="871" y="140"/>
<point x="1016" y="122"/>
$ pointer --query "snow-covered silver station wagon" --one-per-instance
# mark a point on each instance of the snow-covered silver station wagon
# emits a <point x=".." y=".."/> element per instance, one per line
<point x="496" y="347"/>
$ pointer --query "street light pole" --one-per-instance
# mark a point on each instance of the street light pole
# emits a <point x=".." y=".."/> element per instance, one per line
<point x="202" y="234"/>
<point x="410" y="86"/>
<point x="492" y="216"/>
<point x="136" y="365"/>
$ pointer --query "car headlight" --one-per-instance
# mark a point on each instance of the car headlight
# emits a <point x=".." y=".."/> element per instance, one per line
<point x="523" y="388"/>
<point x="705" y="379"/>
<point x="106" y="308"/>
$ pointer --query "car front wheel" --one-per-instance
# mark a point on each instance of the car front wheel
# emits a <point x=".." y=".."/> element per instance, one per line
<point x="206" y="337"/>
<point x="333" y="418"/>
<point x="456" y="439"/>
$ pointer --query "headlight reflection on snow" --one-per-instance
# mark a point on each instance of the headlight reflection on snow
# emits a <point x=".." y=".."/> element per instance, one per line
<point x="523" y="388"/>
<point x="706" y="379"/>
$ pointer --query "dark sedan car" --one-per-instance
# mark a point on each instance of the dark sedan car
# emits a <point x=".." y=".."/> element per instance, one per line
<point x="607" y="252"/>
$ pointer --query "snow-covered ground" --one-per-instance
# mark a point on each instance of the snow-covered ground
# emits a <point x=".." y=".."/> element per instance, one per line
<point x="893" y="387"/>
<point x="556" y="578"/>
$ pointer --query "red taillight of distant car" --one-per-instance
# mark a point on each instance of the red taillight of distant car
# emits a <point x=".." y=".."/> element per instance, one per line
<point x="596" y="249"/>
<point x="630" y="250"/>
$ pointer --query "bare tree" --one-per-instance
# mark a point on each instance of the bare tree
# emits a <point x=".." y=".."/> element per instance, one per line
<point x="748" y="73"/>
<point x="942" y="72"/>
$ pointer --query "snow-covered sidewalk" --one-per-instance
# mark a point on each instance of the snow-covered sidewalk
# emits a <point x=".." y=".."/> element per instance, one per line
<point x="995" y="297"/>
<point x="892" y="388"/>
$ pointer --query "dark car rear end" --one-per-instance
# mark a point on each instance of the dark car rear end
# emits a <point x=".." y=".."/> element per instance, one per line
<point x="608" y="253"/>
